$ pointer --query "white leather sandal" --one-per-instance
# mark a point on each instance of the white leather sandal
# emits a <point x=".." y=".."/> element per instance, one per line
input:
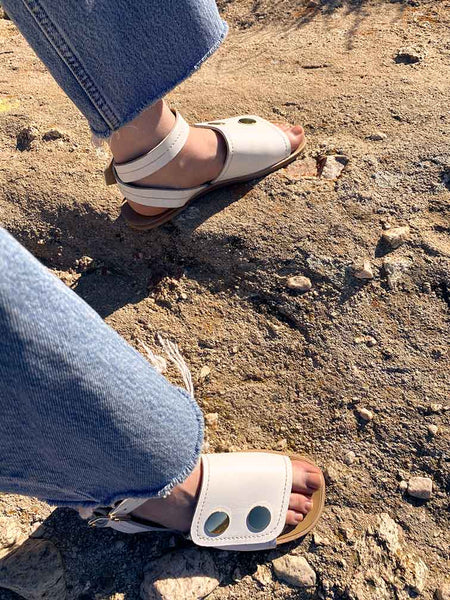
<point x="255" y="147"/>
<point x="242" y="505"/>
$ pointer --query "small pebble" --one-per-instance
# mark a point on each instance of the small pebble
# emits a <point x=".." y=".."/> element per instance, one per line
<point x="330" y="475"/>
<point x="84" y="263"/>
<point x="396" y="236"/>
<point x="433" y="429"/>
<point x="212" y="420"/>
<point x="294" y="570"/>
<point x="369" y="340"/>
<point x="420" y="487"/>
<point x="365" y="414"/>
<point x="302" y="168"/>
<point x="435" y="408"/>
<point x="350" y="458"/>
<point x="403" y="485"/>
<point x="263" y="575"/>
<point x="281" y="444"/>
<point x="377" y="137"/>
<point x="320" y="540"/>
<point x="363" y="269"/>
<point x="204" y="373"/>
<point x="332" y="166"/>
<point x="300" y="283"/>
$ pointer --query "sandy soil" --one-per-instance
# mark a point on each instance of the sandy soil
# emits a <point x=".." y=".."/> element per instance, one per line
<point x="287" y="370"/>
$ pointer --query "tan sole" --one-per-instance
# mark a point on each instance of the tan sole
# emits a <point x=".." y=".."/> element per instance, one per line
<point x="143" y="223"/>
<point x="309" y="522"/>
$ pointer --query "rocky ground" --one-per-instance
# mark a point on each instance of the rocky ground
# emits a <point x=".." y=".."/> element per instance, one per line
<point x="349" y="364"/>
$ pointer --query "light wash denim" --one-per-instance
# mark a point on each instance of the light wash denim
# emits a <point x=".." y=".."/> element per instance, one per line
<point x="114" y="58"/>
<point x="84" y="419"/>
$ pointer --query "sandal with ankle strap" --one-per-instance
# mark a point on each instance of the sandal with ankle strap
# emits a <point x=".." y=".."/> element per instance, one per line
<point x="255" y="147"/>
<point x="242" y="504"/>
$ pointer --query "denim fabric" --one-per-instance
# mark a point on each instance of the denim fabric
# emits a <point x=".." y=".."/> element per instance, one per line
<point x="84" y="418"/>
<point x="114" y="58"/>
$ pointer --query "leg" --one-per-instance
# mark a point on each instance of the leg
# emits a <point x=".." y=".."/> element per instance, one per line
<point x="85" y="419"/>
<point x="116" y="58"/>
<point x="119" y="62"/>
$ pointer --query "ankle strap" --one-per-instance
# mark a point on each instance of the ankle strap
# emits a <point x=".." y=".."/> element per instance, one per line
<point x="157" y="158"/>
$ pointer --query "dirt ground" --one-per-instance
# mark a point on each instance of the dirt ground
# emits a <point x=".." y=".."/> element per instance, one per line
<point x="288" y="370"/>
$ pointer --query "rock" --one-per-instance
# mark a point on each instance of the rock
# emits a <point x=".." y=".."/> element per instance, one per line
<point x="34" y="571"/>
<point x="365" y="414"/>
<point x="377" y="137"/>
<point x="306" y="168"/>
<point x="263" y="575"/>
<point x="190" y="575"/>
<point x="409" y="56"/>
<point x="204" y="373"/>
<point x="299" y="283"/>
<point x="26" y="137"/>
<point x="403" y="485"/>
<point x="387" y="531"/>
<point x="369" y="340"/>
<point x="394" y="268"/>
<point x="54" y="134"/>
<point x="432" y="430"/>
<point x="415" y="572"/>
<point x="281" y="445"/>
<point x="443" y="593"/>
<point x="85" y="263"/>
<point x="350" y="458"/>
<point x="294" y="570"/>
<point x="420" y="487"/>
<point x="330" y="474"/>
<point x="10" y="533"/>
<point x="362" y="269"/>
<point x="435" y="408"/>
<point x="319" y="540"/>
<point x="331" y="167"/>
<point x="212" y="420"/>
<point x="396" y="236"/>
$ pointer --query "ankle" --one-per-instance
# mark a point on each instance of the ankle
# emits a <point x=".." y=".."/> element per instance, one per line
<point x="143" y="133"/>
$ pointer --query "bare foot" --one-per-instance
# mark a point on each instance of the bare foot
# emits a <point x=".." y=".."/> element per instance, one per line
<point x="200" y="161"/>
<point x="177" y="510"/>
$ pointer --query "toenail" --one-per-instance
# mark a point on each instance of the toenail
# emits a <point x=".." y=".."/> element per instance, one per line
<point x="298" y="517"/>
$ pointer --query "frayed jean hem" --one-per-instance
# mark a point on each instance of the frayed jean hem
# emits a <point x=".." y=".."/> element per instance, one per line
<point x="163" y="92"/>
<point x="162" y="493"/>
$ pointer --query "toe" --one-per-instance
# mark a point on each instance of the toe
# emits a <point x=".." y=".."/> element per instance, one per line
<point x="306" y="478"/>
<point x="300" y="503"/>
<point x="295" y="134"/>
<point x="293" y="517"/>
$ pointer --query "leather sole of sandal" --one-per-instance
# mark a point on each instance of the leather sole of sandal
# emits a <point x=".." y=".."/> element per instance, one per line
<point x="143" y="223"/>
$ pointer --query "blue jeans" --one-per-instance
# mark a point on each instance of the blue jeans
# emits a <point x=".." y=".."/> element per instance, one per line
<point x="84" y="419"/>
<point x="114" y="58"/>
